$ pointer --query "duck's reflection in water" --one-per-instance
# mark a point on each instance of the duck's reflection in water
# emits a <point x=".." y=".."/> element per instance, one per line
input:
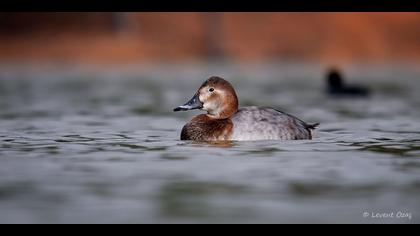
<point x="220" y="144"/>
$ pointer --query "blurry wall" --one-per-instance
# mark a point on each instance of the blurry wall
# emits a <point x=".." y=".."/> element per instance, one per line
<point x="131" y="37"/>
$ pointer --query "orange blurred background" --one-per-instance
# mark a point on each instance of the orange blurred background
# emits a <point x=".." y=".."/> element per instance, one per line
<point x="136" y="37"/>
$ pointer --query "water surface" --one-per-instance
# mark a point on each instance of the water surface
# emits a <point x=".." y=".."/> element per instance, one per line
<point x="101" y="145"/>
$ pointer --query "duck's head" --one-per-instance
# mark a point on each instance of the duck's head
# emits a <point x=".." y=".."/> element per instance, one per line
<point x="216" y="96"/>
<point x="335" y="79"/>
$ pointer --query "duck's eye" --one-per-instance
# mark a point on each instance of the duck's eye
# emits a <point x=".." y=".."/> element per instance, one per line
<point x="211" y="89"/>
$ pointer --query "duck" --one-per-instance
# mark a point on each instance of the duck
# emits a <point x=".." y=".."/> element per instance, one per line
<point x="223" y="120"/>
<point x="336" y="86"/>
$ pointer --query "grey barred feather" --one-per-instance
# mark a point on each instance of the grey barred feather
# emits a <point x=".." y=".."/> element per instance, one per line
<point x="261" y="123"/>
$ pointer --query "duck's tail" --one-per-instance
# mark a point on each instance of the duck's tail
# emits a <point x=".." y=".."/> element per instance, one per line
<point x="311" y="128"/>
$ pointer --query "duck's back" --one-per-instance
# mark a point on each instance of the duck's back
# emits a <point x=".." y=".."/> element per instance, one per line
<point x="261" y="123"/>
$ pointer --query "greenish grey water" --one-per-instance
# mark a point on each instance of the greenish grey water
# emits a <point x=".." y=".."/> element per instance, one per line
<point x="101" y="145"/>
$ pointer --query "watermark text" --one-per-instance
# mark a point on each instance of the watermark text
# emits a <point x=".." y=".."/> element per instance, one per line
<point x="388" y="215"/>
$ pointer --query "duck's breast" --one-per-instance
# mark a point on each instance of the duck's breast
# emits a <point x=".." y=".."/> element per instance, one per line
<point x="260" y="123"/>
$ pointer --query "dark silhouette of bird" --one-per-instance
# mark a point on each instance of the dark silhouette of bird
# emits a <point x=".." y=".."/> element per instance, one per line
<point x="336" y="86"/>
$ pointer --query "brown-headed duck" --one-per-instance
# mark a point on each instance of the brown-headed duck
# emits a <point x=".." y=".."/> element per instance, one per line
<point x="225" y="121"/>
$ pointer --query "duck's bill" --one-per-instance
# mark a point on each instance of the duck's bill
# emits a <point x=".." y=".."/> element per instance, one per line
<point x="192" y="104"/>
